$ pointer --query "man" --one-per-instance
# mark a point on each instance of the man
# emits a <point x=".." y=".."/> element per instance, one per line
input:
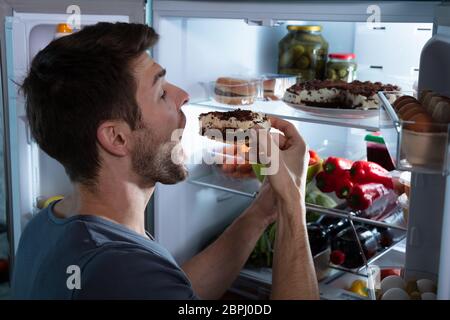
<point x="98" y="104"/>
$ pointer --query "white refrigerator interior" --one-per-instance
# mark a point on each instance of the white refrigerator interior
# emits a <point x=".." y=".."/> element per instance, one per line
<point x="195" y="51"/>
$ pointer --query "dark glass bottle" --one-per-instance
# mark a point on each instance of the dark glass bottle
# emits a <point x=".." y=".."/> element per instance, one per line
<point x="333" y="225"/>
<point x="318" y="238"/>
<point x="345" y="248"/>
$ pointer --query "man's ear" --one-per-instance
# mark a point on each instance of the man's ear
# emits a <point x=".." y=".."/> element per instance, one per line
<point x="114" y="137"/>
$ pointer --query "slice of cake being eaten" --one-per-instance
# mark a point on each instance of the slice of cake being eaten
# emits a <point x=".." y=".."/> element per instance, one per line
<point x="339" y="94"/>
<point x="231" y="125"/>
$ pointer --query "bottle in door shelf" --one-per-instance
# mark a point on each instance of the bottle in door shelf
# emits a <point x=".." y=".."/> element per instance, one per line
<point x="63" y="29"/>
<point x="377" y="151"/>
<point x="345" y="248"/>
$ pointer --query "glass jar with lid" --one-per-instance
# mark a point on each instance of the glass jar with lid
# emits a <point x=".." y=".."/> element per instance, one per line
<point x="341" y="66"/>
<point x="303" y="52"/>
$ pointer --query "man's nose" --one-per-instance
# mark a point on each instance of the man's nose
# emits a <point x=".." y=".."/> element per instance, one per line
<point x="180" y="96"/>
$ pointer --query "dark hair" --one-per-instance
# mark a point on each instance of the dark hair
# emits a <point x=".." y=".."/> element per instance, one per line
<point x="79" y="81"/>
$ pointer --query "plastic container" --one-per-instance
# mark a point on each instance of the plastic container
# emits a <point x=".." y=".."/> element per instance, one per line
<point x="231" y="162"/>
<point x="377" y="151"/>
<point x="303" y="51"/>
<point x="241" y="90"/>
<point x="235" y="90"/>
<point x="275" y="85"/>
<point x="341" y="66"/>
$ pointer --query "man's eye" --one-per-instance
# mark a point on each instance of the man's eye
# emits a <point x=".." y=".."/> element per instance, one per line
<point x="163" y="96"/>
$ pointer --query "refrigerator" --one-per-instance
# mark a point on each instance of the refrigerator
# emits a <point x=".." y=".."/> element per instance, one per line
<point x="203" y="40"/>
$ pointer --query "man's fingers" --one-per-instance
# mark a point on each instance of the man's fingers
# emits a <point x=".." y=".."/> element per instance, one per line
<point x="287" y="128"/>
<point x="279" y="139"/>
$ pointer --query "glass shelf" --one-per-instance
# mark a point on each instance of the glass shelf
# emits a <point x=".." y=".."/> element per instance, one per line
<point x="249" y="188"/>
<point x="282" y="110"/>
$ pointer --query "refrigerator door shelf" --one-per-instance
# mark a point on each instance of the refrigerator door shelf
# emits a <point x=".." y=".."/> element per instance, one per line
<point x="422" y="152"/>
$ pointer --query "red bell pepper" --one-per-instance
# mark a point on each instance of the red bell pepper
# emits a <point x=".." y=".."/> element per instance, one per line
<point x="344" y="185"/>
<point x="334" y="165"/>
<point x="325" y="182"/>
<point x="370" y="172"/>
<point x="363" y="195"/>
<point x="338" y="182"/>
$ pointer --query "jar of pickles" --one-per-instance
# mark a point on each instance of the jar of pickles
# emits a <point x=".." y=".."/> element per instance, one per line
<point x="303" y="52"/>
<point x="341" y="66"/>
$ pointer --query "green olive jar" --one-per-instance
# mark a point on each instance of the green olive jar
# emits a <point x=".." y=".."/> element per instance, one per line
<point x="341" y="66"/>
<point x="303" y="52"/>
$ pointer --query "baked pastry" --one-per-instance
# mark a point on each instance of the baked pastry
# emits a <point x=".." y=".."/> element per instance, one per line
<point x="231" y="124"/>
<point x="235" y="91"/>
<point x="339" y="94"/>
<point x="269" y="90"/>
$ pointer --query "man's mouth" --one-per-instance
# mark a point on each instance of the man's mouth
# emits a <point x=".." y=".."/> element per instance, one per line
<point x="182" y="124"/>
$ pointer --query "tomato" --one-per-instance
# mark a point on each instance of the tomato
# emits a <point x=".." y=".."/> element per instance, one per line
<point x="389" y="272"/>
<point x="313" y="157"/>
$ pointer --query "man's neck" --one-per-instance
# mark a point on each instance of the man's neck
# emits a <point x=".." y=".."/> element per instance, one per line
<point x="123" y="203"/>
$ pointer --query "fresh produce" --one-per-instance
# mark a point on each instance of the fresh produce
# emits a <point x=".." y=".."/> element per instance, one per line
<point x="363" y="195"/>
<point x="359" y="287"/>
<point x="262" y="255"/>
<point x="335" y="165"/>
<point x="370" y="172"/>
<point x="344" y="186"/>
<point x="325" y="183"/>
<point x="358" y="182"/>
<point x="391" y="272"/>
<point x="313" y="158"/>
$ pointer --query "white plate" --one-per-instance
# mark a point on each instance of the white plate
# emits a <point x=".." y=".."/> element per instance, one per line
<point x="334" y="112"/>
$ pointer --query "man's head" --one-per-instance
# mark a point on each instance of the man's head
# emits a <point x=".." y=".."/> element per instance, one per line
<point x="96" y="101"/>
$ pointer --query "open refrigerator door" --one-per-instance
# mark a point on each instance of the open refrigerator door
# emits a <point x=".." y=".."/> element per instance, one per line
<point x="32" y="178"/>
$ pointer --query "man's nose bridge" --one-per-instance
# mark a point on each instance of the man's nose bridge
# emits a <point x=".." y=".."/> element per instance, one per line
<point x="184" y="97"/>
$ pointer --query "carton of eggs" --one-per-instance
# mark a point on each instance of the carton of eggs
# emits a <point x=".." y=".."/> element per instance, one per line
<point x="395" y="288"/>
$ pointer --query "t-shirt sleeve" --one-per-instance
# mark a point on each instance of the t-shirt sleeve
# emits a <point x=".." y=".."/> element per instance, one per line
<point x="132" y="273"/>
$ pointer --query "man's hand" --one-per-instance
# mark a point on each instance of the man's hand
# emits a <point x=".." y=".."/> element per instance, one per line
<point x="293" y="158"/>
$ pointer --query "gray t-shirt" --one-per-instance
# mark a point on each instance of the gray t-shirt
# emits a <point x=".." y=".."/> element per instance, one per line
<point x="105" y="259"/>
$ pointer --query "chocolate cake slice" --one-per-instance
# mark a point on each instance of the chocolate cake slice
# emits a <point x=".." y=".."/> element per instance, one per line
<point x="339" y="94"/>
<point x="231" y="124"/>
